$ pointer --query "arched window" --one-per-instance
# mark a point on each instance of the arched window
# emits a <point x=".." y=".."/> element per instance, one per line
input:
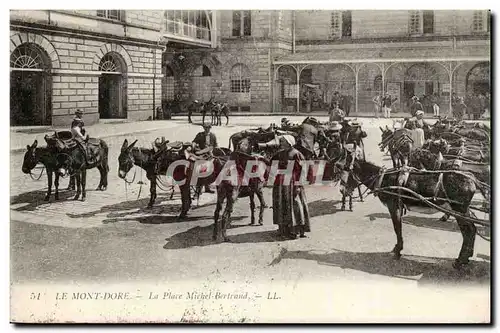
<point x="240" y="79"/>
<point x="27" y="56"/>
<point x="110" y="63"/>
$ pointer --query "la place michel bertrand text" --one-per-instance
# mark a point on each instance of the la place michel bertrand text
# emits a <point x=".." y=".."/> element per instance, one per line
<point x="167" y="295"/>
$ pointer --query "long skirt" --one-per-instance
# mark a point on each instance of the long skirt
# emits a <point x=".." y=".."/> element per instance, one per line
<point x="290" y="210"/>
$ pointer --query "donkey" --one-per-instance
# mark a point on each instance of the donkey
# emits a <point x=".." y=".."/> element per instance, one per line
<point x="76" y="161"/>
<point x="230" y="191"/>
<point x="456" y="186"/>
<point x="44" y="155"/>
<point x="399" y="144"/>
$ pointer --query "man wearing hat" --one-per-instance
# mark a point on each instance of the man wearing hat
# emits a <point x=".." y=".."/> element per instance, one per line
<point x="285" y="124"/>
<point x="336" y="114"/>
<point x="205" y="140"/>
<point x="418" y="125"/>
<point x="77" y="126"/>
<point x="78" y="131"/>
<point x="415" y="106"/>
<point x="387" y="102"/>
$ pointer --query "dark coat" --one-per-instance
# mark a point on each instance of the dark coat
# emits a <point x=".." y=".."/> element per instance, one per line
<point x="416" y="107"/>
<point x="200" y="140"/>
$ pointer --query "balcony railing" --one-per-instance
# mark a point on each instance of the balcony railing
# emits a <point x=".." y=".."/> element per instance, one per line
<point x="188" y="30"/>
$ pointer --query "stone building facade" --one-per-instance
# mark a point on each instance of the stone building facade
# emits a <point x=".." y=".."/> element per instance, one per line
<point x="366" y="53"/>
<point x="124" y="64"/>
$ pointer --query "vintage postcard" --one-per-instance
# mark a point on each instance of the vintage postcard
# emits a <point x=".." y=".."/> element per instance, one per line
<point x="250" y="166"/>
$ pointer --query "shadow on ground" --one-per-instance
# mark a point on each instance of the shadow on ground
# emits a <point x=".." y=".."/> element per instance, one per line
<point x="157" y="219"/>
<point x="419" y="221"/>
<point x="323" y="207"/>
<point x="34" y="199"/>
<point x="124" y="208"/>
<point x="202" y="236"/>
<point x="425" y="270"/>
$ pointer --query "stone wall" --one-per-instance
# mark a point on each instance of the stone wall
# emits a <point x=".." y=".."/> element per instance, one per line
<point x="315" y="24"/>
<point x="75" y="74"/>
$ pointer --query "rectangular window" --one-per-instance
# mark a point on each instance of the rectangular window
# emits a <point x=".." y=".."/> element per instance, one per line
<point x="242" y="23"/>
<point x="479" y="23"/>
<point x="335" y="24"/>
<point x="236" y="23"/>
<point x="247" y="23"/>
<point x="346" y="23"/>
<point x="112" y="14"/>
<point x="415" y="22"/>
<point x="240" y="86"/>
<point x="428" y="21"/>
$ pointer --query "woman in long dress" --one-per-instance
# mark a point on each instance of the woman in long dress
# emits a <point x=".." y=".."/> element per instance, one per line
<point x="418" y="136"/>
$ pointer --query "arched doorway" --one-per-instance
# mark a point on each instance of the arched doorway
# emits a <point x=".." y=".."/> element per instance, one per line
<point x="423" y="80"/>
<point x="30" y="86"/>
<point x="112" y="87"/>
<point x="202" y="83"/>
<point x="478" y="79"/>
<point x="287" y="89"/>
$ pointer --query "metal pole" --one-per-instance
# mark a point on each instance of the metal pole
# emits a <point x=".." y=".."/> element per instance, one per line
<point x="383" y="79"/>
<point x="293" y="31"/>
<point x="356" y="93"/>
<point x="451" y="88"/>
<point x="154" y="83"/>
<point x="297" y="70"/>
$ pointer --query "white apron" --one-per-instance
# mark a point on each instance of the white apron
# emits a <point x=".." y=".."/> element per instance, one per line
<point x="417" y="135"/>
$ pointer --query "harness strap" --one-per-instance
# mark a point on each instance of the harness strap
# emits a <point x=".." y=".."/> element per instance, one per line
<point x="379" y="180"/>
<point x="439" y="186"/>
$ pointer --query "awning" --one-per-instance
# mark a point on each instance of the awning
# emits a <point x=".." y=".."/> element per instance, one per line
<point x="314" y="86"/>
<point x="387" y="54"/>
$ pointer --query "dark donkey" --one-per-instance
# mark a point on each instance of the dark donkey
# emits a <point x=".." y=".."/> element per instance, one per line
<point x="240" y="187"/>
<point x="144" y="158"/>
<point x="75" y="161"/>
<point x="44" y="155"/>
<point x="399" y="144"/>
<point x="193" y="164"/>
<point x="457" y="187"/>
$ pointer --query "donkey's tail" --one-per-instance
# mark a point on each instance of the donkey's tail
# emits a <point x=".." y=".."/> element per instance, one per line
<point x="105" y="148"/>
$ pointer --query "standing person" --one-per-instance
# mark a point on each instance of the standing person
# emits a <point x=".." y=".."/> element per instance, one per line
<point x="387" y="105"/>
<point x="415" y="106"/>
<point x="204" y="140"/>
<point x="335" y="99"/>
<point x="192" y="107"/>
<point x="377" y="102"/>
<point x="460" y="110"/>
<point x="336" y="114"/>
<point x="435" y="105"/>
<point x="347" y="102"/>
<point x="419" y="124"/>
<point x="482" y="106"/>
<point x="468" y="100"/>
<point x="486" y="113"/>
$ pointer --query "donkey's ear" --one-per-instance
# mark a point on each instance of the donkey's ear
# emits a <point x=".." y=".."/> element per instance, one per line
<point x="132" y="144"/>
<point x="34" y="144"/>
<point x="125" y="144"/>
<point x="28" y="147"/>
<point x="381" y="129"/>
